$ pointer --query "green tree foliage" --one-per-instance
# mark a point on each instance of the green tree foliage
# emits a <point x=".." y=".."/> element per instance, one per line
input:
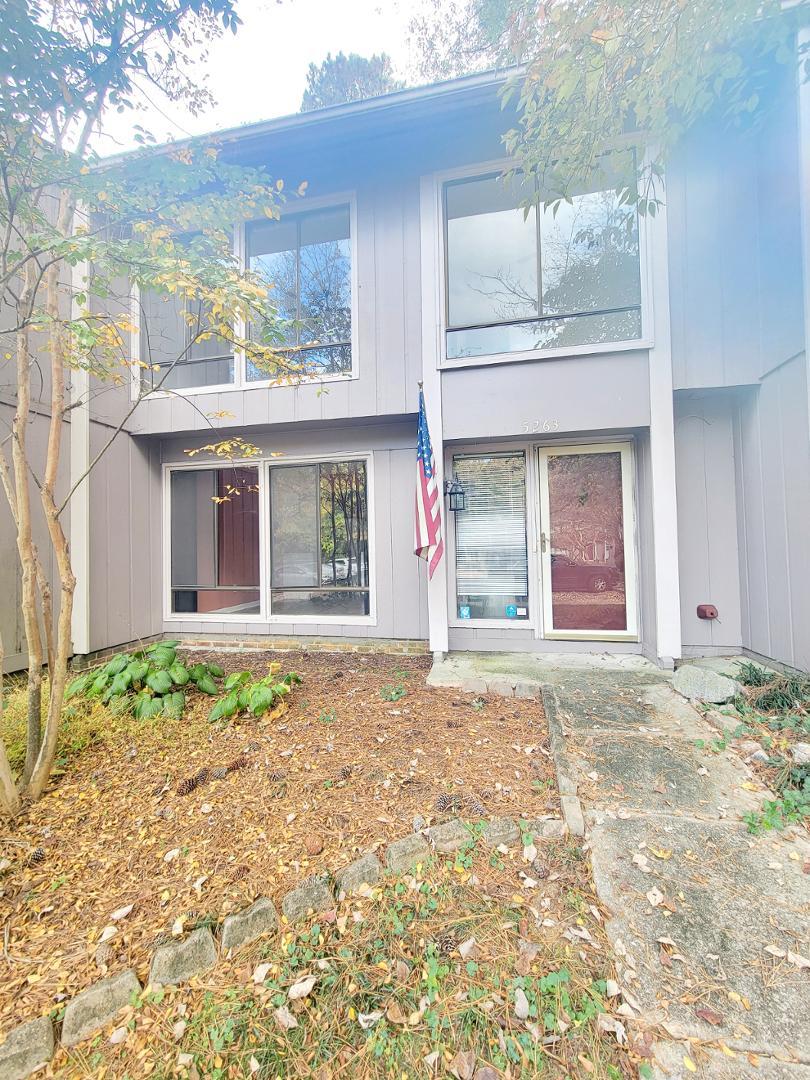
<point x="342" y="78"/>
<point x="79" y="240"/>
<point x="593" y="73"/>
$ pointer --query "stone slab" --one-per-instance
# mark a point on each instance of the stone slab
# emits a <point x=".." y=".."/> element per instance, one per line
<point x="715" y="1065"/>
<point x="182" y="960"/>
<point x="366" y="870"/>
<point x="661" y="775"/>
<point x="572" y="813"/>
<point x="703" y="684"/>
<point x="312" y="895"/>
<point x="404" y="854"/>
<point x="450" y="836"/>
<point x="248" y="925"/>
<point x="546" y="828"/>
<point x="26" y="1049"/>
<point x="94" y="1007"/>
<point x="501" y="830"/>
<point x="714" y="891"/>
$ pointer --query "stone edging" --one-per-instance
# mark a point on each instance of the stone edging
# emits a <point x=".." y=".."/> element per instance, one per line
<point x="31" y="1045"/>
<point x="569" y="800"/>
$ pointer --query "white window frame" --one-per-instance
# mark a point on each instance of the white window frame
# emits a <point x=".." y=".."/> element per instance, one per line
<point x="644" y="341"/>
<point x="240" y="381"/>
<point x="630" y="523"/>
<point x="540" y="597"/>
<point x="265" y="615"/>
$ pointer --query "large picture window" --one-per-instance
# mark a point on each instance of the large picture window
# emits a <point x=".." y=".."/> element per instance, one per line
<point x="492" y="569"/>
<point x="215" y="541"/>
<point x="306" y="259"/>
<point x="319" y="557"/>
<point x="519" y="280"/>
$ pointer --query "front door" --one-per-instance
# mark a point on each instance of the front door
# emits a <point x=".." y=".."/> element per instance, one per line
<point x="587" y="549"/>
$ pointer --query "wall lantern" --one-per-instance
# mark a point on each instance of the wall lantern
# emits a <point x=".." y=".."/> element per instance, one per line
<point x="456" y="495"/>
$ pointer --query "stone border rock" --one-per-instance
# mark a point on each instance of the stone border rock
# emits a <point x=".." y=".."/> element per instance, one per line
<point x="31" y="1045"/>
<point x="569" y="801"/>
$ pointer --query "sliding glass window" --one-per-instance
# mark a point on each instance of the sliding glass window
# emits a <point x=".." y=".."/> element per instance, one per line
<point x="319" y="557"/>
<point x="215" y="541"/>
<point x="525" y="277"/>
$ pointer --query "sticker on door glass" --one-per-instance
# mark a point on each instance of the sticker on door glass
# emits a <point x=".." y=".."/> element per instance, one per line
<point x="511" y="611"/>
<point x="464" y="611"/>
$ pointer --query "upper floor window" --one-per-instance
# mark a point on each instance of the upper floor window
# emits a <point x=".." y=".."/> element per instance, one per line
<point x="176" y="342"/>
<point x="306" y="260"/>
<point x="546" y="278"/>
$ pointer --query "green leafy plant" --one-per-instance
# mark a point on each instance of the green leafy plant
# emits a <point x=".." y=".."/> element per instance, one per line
<point x="792" y="807"/>
<point x="244" y="694"/>
<point x="149" y="682"/>
<point x="752" y="674"/>
<point x="393" y="693"/>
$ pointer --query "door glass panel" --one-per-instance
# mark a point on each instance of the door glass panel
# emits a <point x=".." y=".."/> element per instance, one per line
<point x="586" y="535"/>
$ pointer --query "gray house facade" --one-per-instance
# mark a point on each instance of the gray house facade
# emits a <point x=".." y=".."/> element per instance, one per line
<point x="619" y="402"/>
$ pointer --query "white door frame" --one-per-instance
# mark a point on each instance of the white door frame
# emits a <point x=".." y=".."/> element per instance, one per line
<point x="630" y="559"/>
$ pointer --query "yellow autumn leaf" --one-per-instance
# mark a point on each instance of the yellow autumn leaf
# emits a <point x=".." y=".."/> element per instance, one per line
<point x="691" y="1066"/>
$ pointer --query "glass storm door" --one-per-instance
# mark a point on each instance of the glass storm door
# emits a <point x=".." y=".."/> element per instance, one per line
<point x="587" y="550"/>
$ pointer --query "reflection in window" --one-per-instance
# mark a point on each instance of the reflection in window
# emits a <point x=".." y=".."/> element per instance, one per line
<point x="319" y="560"/>
<point x="175" y="339"/>
<point x="306" y="260"/>
<point x="215" y="541"/>
<point x="492" y="570"/>
<point x="553" y="277"/>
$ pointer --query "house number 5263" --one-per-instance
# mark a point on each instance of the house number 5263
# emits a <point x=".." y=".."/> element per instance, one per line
<point x="532" y="427"/>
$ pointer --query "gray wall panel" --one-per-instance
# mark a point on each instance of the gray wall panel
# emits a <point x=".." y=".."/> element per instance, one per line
<point x="583" y="393"/>
<point x="707" y="522"/>
<point x="773" y="511"/>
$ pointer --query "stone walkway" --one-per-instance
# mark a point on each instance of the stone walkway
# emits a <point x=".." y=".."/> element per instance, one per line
<point x="696" y="902"/>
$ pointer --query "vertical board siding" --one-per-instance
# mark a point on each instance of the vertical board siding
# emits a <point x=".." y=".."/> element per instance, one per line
<point x="733" y="203"/>
<point x="773" y="509"/>
<point x="707" y="520"/>
<point x="646" y="547"/>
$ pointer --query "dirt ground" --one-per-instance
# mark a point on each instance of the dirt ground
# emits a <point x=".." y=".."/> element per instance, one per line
<point x="364" y="749"/>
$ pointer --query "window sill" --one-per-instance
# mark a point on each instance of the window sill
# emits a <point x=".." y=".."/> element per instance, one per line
<point x="545" y="354"/>
<point x="232" y="388"/>
<point x="491" y="624"/>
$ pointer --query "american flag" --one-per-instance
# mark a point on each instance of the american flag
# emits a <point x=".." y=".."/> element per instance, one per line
<point x="428" y="542"/>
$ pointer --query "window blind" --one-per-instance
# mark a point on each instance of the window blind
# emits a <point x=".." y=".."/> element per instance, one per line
<point x="491" y="552"/>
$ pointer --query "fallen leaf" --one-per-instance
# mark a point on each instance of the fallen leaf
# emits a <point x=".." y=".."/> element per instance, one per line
<point x="302" y="988"/>
<point x="118" y="1036"/>
<point x="122" y="912"/>
<point x="367" y="1020"/>
<point x="395" y="1014"/>
<point x="107" y="933"/>
<point x="179" y="1029"/>
<point x="521" y="1005"/>
<point x="260" y="974"/>
<point x="284" y="1018"/>
<point x="469" y="949"/>
<point x="610" y="1025"/>
<point x="432" y="1061"/>
<point x="170" y="856"/>
<point x="691" y="1066"/>
<point x="462" y="1065"/>
<point x="709" y="1015"/>
<point x="655" y="897"/>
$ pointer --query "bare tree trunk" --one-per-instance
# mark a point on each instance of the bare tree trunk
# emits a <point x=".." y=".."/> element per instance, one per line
<point x="25" y="543"/>
<point x="67" y="579"/>
<point x="9" y="796"/>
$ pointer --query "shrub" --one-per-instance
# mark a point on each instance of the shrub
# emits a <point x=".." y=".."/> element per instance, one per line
<point x="243" y="694"/>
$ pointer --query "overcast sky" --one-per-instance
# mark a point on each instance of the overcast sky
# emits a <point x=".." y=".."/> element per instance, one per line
<point x="261" y="72"/>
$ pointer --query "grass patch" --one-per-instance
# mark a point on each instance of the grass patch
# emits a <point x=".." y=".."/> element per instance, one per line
<point x="451" y="962"/>
<point x="85" y="723"/>
<point x="775" y="710"/>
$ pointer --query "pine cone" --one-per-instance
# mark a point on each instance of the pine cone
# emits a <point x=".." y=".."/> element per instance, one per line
<point x="445" y="802"/>
<point x="219" y="773"/>
<point x="446" y="943"/>
<point x="475" y="806"/>
<point x="185" y="787"/>
<point x="344" y="773"/>
<point x="240" y="762"/>
<point x="252" y="748"/>
<point x="453" y="724"/>
<point x="163" y="938"/>
<point x="36" y="857"/>
<point x="276" y="776"/>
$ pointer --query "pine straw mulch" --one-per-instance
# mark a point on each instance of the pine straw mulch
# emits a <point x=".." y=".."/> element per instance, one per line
<point x="469" y="969"/>
<point x="344" y="770"/>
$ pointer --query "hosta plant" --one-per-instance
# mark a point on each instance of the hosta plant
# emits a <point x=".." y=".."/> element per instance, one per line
<point x="149" y="682"/>
<point x="244" y="694"/>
